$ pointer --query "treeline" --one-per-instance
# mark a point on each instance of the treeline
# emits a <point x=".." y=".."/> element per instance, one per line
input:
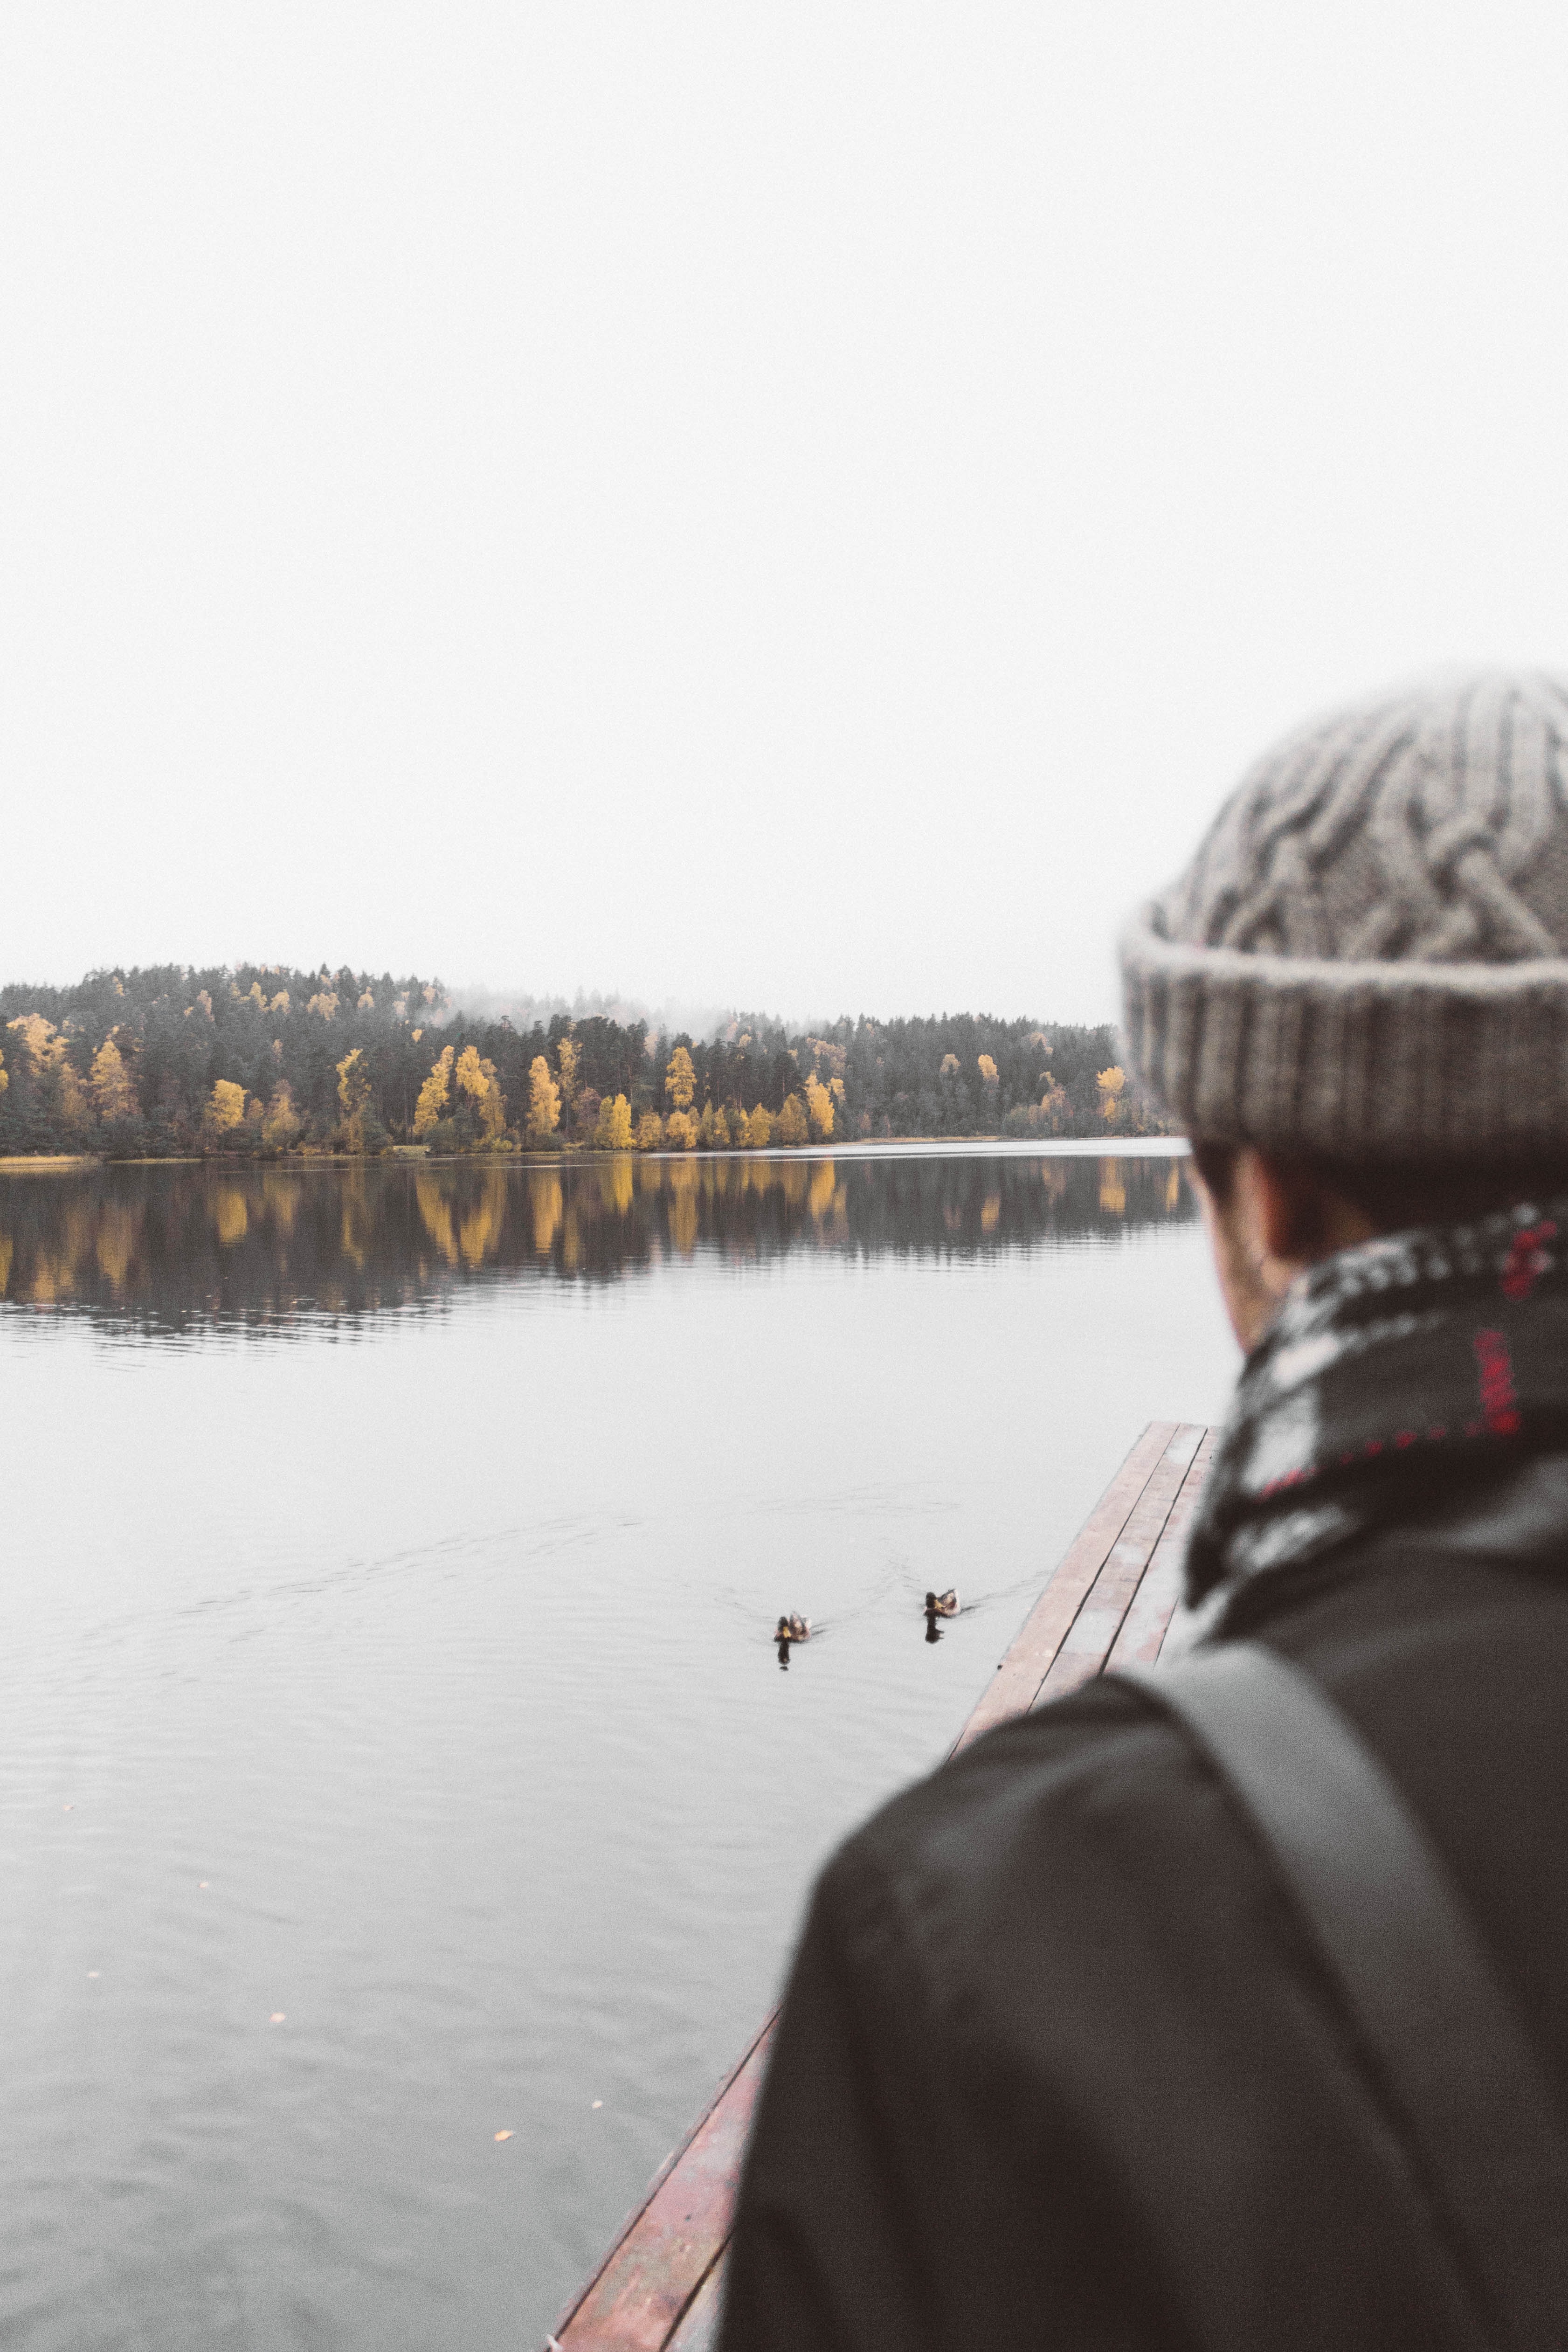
<point x="261" y="1060"/>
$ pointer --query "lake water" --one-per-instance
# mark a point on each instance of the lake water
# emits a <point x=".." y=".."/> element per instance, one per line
<point x="392" y="1751"/>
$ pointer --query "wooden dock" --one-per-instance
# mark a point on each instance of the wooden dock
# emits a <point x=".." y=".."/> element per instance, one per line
<point x="1107" y="1603"/>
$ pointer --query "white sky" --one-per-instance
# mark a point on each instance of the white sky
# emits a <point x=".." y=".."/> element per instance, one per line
<point x="804" y="506"/>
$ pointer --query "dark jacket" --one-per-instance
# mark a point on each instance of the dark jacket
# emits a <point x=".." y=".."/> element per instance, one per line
<point x="1057" y="2063"/>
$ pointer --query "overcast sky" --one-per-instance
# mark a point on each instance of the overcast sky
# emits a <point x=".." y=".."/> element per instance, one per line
<point x="803" y="507"/>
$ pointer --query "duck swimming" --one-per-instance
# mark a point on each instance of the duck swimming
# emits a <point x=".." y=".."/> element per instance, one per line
<point x="793" y="1628"/>
<point x="942" y="1604"/>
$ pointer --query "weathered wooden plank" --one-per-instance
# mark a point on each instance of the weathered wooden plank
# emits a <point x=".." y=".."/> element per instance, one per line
<point x="698" y="2331"/>
<point x="1148" y="1617"/>
<point x="667" y="2249"/>
<point x="1013" y="1689"/>
<point x="1088" y="1640"/>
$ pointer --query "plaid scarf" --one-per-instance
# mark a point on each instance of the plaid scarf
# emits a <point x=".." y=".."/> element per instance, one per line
<point x="1395" y="1374"/>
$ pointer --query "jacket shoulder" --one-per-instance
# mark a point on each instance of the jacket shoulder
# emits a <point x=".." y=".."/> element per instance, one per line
<point x="1084" y="1796"/>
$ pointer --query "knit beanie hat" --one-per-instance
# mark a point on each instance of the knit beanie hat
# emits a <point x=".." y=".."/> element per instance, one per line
<point x="1368" y="956"/>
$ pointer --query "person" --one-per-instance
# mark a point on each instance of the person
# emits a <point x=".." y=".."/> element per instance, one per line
<point x="1060" y="2060"/>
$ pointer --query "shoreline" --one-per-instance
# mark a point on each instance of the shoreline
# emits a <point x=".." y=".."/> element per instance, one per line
<point x="905" y="1146"/>
<point x="39" y="1164"/>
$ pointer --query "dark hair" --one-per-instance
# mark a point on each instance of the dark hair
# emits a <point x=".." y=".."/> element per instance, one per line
<point x="1399" y="1198"/>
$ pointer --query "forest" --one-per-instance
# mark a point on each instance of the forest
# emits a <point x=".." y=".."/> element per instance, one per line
<point x="260" y="1061"/>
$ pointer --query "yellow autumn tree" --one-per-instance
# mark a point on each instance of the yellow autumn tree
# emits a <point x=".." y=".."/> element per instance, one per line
<point x="681" y="1130"/>
<point x="650" y="1133"/>
<point x="544" y="1101"/>
<point x="434" y="1093"/>
<point x="1110" y="1084"/>
<point x="761" y="1125"/>
<point x="614" y="1131"/>
<point x="113" y="1096"/>
<point x="568" y="1055"/>
<point x="354" y="1084"/>
<point x="739" y="1129"/>
<point x="681" y="1080"/>
<point x="790" y="1126"/>
<point x="75" y="1105"/>
<point x="39" y="1039"/>
<point x="354" y="1094"/>
<point x="280" y="1125"/>
<point x="5" y="1075"/>
<point x="819" y="1109"/>
<point x="479" y="1081"/>
<point x="225" y="1107"/>
<point x="51" y="1068"/>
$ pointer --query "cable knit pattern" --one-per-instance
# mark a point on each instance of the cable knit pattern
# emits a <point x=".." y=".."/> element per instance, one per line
<point x="1368" y="956"/>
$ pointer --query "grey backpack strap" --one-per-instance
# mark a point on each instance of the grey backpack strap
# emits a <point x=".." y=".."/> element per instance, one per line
<point x="1410" y="1967"/>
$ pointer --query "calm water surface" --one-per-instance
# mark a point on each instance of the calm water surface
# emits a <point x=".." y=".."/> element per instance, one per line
<point x="392" y="1751"/>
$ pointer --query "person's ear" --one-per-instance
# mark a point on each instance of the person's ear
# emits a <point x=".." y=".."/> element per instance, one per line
<point x="1264" y="1220"/>
<point x="1251" y="1281"/>
<point x="1297" y="1216"/>
<point x="1273" y="1218"/>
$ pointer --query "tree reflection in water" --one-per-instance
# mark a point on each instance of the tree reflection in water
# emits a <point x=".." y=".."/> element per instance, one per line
<point x="176" y="1246"/>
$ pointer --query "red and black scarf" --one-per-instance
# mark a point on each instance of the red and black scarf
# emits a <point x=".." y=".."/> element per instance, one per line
<point x="1396" y="1372"/>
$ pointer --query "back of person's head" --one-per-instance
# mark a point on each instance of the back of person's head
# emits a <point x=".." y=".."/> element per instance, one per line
<point x="1364" y="971"/>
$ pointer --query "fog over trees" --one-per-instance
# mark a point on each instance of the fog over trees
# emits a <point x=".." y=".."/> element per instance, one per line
<point x="263" y="1060"/>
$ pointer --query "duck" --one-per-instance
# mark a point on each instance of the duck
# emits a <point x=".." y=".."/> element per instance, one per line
<point x="793" y="1628"/>
<point x="942" y="1604"/>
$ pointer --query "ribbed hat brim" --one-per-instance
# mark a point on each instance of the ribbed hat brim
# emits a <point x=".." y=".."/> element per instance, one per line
<point x="1389" y="1061"/>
